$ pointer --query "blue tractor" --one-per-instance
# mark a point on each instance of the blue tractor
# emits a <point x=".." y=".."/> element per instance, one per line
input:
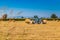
<point x="37" y="21"/>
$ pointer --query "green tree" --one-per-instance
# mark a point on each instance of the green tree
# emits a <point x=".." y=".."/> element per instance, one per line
<point x="22" y="17"/>
<point x="54" y="16"/>
<point x="4" y="16"/>
<point x="35" y="16"/>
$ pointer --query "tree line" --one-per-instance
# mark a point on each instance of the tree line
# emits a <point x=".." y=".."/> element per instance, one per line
<point x="52" y="16"/>
<point x="4" y="16"/>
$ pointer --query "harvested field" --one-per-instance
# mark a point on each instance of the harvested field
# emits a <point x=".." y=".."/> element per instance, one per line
<point x="20" y="30"/>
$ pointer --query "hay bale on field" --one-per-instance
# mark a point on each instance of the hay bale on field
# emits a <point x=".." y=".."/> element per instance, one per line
<point x="28" y="21"/>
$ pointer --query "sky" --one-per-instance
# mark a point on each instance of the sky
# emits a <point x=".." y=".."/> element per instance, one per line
<point x="29" y="8"/>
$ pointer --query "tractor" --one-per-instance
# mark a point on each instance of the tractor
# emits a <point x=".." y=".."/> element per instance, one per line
<point x="36" y="21"/>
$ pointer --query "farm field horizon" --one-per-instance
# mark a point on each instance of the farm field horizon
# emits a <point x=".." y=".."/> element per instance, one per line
<point x="19" y="30"/>
<point x="29" y="19"/>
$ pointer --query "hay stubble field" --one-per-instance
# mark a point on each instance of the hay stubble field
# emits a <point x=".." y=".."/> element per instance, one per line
<point x="19" y="30"/>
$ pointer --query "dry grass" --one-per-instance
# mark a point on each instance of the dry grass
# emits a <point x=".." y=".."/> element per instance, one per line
<point x="19" y="30"/>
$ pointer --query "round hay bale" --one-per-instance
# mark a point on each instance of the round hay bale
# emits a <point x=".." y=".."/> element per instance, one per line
<point x="33" y="22"/>
<point x="44" y="21"/>
<point x="27" y="21"/>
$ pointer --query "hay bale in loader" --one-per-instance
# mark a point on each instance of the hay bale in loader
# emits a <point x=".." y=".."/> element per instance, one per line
<point x="44" y="21"/>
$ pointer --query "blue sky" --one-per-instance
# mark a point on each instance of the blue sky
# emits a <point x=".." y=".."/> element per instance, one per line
<point x="29" y="8"/>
